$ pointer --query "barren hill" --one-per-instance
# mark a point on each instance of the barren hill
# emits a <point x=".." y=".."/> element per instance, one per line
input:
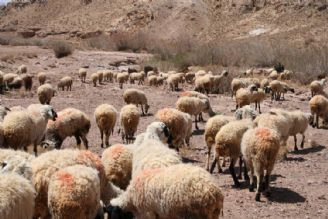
<point x="205" y="19"/>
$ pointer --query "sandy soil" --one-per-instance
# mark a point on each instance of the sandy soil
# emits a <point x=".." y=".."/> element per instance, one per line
<point x="299" y="184"/>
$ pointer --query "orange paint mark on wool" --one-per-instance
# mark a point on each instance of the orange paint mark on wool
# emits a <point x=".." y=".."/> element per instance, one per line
<point x="145" y="174"/>
<point x="263" y="133"/>
<point x="116" y="150"/>
<point x="185" y="94"/>
<point x="88" y="156"/>
<point x="66" y="180"/>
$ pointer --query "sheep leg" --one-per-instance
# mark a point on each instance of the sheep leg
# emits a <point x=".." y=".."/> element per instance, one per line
<point x="107" y="133"/>
<point x="259" y="104"/>
<point x="246" y="177"/>
<point x="303" y="138"/>
<point x="266" y="182"/>
<point x="232" y="172"/>
<point x="35" y="149"/>
<point x="102" y="138"/>
<point x="224" y="162"/>
<point x="213" y="165"/>
<point x="251" y="179"/>
<point x="78" y="140"/>
<point x="142" y="110"/>
<point x="317" y="121"/>
<point x="295" y="141"/>
<point x="259" y="176"/>
<point x="208" y="158"/>
<point x="240" y="168"/>
<point x="196" y="126"/>
<point x="85" y="141"/>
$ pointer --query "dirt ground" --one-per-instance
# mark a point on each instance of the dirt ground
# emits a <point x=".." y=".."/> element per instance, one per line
<point x="299" y="184"/>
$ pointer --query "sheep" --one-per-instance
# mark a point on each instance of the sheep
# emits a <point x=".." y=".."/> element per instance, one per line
<point x="7" y="153"/>
<point x="44" y="166"/>
<point x="190" y="76"/>
<point x="227" y="143"/>
<point x="8" y="78"/>
<point x="106" y="116"/>
<point x="257" y="97"/>
<point x="195" y="94"/>
<point x="140" y="77"/>
<point x="153" y="152"/>
<point x="273" y="75"/>
<point x="286" y="88"/>
<point x="82" y="74"/>
<point x="317" y="87"/>
<point x="135" y="96"/>
<point x="17" y="108"/>
<point x="179" y="124"/>
<point x="108" y="76"/>
<point x="204" y="84"/>
<point x="17" y="197"/>
<point x="260" y="147"/>
<point x="117" y="161"/>
<point x="148" y="68"/>
<point x="70" y="122"/>
<point x="246" y="112"/>
<point x="100" y="76"/>
<point x="265" y="83"/>
<point x="22" y="128"/>
<point x="74" y="192"/>
<point x="122" y="78"/>
<point x="129" y="120"/>
<point x="238" y="83"/>
<point x="278" y="88"/>
<point x="94" y="78"/>
<point x="319" y="108"/>
<point x="174" y="80"/>
<point x="65" y="82"/>
<point x="285" y="75"/>
<point x="27" y="81"/>
<point x="42" y="77"/>
<point x="212" y="127"/>
<point x="160" y="80"/>
<point x="180" y="191"/>
<point x="244" y="96"/>
<point x="19" y="163"/>
<point x="22" y="69"/>
<point x="152" y="80"/>
<point x="45" y="93"/>
<point x="17" y="83"/>
<point x="194" y="106"/>
<point x="298" y="123"/>
<point x="218" y="81"/>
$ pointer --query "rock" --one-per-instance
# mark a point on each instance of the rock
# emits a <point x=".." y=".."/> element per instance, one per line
<point x="26" y="33"/>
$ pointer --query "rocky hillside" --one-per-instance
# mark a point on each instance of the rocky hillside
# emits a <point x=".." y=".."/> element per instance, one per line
<point x="295" y="20"/>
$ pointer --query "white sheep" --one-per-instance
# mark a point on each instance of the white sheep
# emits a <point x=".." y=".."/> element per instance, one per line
<point x="246" y="112"/>
<point x="173" y="81"/>
<point x="94" y="79"/>
<point x="194" y="106"/>
<point x="257" y="97"/>
<point x="22" y="69"/>
<point x="137" y="76"/>
<point x="82" y="74"/>
<point x="122" y="78"/>
<point x="129" y="120"/>
<point x="70" y="122"/>
<point x="22" y="128"/>
<point x="100" y="76"/>
<point x="106" y="116"/>
<point x="8" y="78"/>
<point x="244" y="96"/>
<point x="195" y="94"/>
<point x="135" y="96"/>
<point x="45" y="93"/>
<point x="65" y="82"/>
<point x="108" y="76"/>
<point x="179" y="191"/>
<point x="17" y="197"/>
<point x="317" y="87"/>
<point x="204" y="84"/>
<point x="260" y="147"/>
<point x="42" y="77"/>
<point x="319" y="108"/>
<point x="74" y="192"/>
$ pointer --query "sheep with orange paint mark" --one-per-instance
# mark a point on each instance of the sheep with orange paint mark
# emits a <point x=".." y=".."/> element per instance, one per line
<point x="260" y="147"/>
<point x="117" y="161"/>
<point x="178" y="191"/>
<point x="74" y="192"/>
<point x="44" y="166"/>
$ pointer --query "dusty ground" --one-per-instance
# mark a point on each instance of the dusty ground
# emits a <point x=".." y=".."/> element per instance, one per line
<point x="300" y="184"/>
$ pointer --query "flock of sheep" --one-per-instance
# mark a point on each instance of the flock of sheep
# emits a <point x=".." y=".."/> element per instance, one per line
<point x="144" y="177"/>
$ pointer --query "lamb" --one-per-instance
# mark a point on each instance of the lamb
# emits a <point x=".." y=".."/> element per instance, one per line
<point x="70" y="122"/>
<point x="106" y="116"/>
<point x="174" y="80"/>
<point x="260" y="147"/>
<point x="42" y="77"/>
<point x="194" y="106"/>
<point x="94" y="78"/>
<point x="45" y="93"/>
<point x="179" y="190"/>
<point x="317" y="87"/>
<point x="82" y="74"/>
<point x="244" y="96"/>
<point x="22" y="69"/>
<point x="122" y="78"/>
<point x="227" y="143"/>
<point x="140" y="77"/>
<point x="22" y="128"/>
<point x="257" y="97"/>
<point x="135" y="96"/>
<point x="298" y="123"/>
<point x="179" y="124"/>
<point x="17" y="197"/>
<point x="27" y="81"/>
<point x="100" y="76"/>
<point x="319" y="108"/>
<point x="44" y="166"/>
<point x="152" y="152"/>
<point x="117" y="161"/>
<point x="129" y="120"/>
<point x="17" y="83"/>
<point x="212" y="127"/>
<point x="65" y="82"/>
<point x="74" y="192"/>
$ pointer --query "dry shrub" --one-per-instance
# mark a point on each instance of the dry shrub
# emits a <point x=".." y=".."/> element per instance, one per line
<point x="19" y="41"/>
<point x="61" y="49"/>
<point x="101" y="42"/>
<point x="126" y="41"/>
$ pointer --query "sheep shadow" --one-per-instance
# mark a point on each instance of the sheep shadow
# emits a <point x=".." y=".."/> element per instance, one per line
<point x="285" y="195"/>
<point x="297" y="159"/>
<point x="189" y="160"/>
<point x="146" y="115"/>
<point x="309" y="150"/>
<point x="198" y="132"/>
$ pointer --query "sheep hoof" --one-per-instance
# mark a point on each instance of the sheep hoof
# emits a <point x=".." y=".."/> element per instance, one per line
<point x="251" y="189"/>
<point x="220" y="170"/>
<point x="257" y="197"/>
<point x="237" y="184"/>
<point x="295" y="148"/>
